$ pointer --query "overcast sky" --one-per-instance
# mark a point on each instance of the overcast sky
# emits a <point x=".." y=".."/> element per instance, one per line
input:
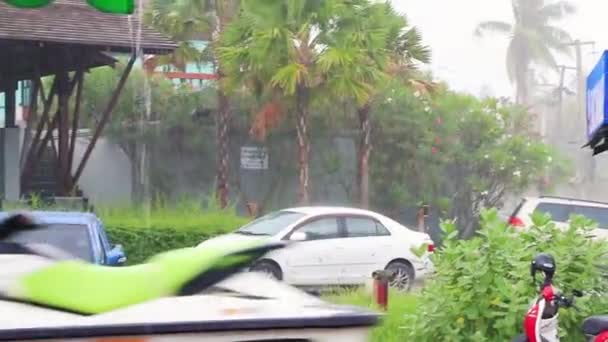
<point x="469" y="63"/>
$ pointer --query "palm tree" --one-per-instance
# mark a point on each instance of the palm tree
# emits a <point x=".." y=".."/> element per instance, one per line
<point x="533" y="39"/>
<point x="185" y="20"/>
<point x="297" y="48"/>
<point x="394" y="49"/>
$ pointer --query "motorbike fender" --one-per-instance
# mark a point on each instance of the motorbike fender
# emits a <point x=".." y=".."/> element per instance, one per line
<point x="602" y="337"/>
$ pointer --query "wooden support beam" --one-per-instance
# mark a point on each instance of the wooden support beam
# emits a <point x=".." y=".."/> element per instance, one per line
<point x="104" y="119"/>
<point x="63" y="128"/>
<point x="31" y="153"/>
<point x="47" y="105"/>
<point x="75" y="123"/>
<point x="37" y="146"/>
<point x="33" y="108"/>
<point x="45" y="140"/>
<point x="51" y="124"/>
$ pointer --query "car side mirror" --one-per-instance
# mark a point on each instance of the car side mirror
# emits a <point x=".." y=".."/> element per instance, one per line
<point x="298" y="236"/>
<point x="116" y="256"/>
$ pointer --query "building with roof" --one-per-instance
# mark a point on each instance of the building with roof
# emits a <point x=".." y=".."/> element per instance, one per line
<point x="64" y="39"/>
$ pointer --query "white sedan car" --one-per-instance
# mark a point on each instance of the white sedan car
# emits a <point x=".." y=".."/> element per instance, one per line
<point x="337" y="246"/>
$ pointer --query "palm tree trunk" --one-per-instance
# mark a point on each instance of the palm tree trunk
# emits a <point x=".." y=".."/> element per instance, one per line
<point x="223" y="148"/>
<point x="225" y="10"/>
<point x="303" y="144"/>
<point x="522" y="87"/>
<point x="365" y="148"/>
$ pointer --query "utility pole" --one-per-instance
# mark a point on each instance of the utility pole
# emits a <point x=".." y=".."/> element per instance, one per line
<point x="560" y="97"/>
<point x="556" y="134"/>
<point x="586" y="161"/>
<point x="582" y="83"/>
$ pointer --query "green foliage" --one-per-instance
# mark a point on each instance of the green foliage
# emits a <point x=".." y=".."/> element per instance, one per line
<point x="147" y="231"/>
<point x="454" y="151"/>
<point x="168" y="129"/>
<point x="482" y="287"/>
<point x="309" y="46"/>
<point x="169" y="104"/>
<point x="391" y="328"/>
<point x="183" y="21"/>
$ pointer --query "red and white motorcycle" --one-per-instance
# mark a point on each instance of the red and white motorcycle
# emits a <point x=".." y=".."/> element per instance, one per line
<point x="541" y="323"/>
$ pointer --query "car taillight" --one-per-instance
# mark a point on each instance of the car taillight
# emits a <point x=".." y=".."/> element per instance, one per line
<point x="430" y="248"/>
<point x="516" y="221"/>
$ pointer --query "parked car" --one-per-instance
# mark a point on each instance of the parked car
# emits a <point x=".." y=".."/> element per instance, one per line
<point x="561" y="209"/>
<point x="337" y="246"/>
<point x="80" y="235"/>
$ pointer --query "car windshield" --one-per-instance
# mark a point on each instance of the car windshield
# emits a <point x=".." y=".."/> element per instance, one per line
<point x="271" y="224"/>
<point x="71" y="238"/>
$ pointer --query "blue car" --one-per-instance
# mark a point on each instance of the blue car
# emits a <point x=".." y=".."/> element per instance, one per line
<point x="82" y="235"/>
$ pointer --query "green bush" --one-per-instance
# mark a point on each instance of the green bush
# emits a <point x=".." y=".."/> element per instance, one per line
<point x="392" y="328"/>
<point x="144" y="233"/>
<point x="482" y="287"/>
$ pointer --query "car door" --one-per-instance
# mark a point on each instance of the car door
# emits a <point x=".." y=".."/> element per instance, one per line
<point x="312" y="261"/>
<point x="364" y="248"/>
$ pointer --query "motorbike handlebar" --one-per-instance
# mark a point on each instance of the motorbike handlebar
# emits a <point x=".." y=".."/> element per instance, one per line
<point x="568" y="302"/>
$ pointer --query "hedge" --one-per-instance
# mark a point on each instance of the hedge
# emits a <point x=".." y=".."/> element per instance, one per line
<point x="165" y="225"/>
<point x="145" y="233"/>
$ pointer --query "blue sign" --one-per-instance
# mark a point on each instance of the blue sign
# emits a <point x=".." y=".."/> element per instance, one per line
<point x="597" y="104"/>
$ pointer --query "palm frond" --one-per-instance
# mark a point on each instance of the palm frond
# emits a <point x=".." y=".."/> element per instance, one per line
<point x="344" y="84"/>
<point x="412" y="47"/>
<point x="557" y="10"/>
<point x="289" y="77"/>
<point x="182" y="21"/>
<point x="541" y="55"/>
<point x="334" y="57"/>
<point x="556" y="38"/>
<point x="493" y="26"/>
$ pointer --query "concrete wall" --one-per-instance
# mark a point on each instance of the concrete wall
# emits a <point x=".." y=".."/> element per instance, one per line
<point x="107" y="175"/>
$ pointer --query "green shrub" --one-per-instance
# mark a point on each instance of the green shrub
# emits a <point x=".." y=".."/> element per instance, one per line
<point x="482" y="287"/>
<point x="144" y="232"/>
<point x="392" y="328"/>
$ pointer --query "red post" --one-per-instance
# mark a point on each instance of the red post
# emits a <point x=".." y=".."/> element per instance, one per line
<point x="381" y="282"/>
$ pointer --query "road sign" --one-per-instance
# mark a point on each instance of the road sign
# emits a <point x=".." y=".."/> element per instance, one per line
<point x="597" y="106"/>
<point x="254" y="158"/>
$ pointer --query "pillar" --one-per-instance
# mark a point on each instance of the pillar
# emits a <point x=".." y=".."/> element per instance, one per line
<point x="11" y="163"/>
<point x="10" y="102"/>
<point x="11" y="146"/>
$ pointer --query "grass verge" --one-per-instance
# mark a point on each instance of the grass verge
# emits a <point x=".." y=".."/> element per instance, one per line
<point x="391" y="327"/>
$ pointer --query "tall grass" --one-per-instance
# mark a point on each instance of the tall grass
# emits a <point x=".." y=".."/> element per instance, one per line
<point x="162" y="224"/>
<point x="159" y="225"/>
<point x="186" y="214"/>
<point x="391" y="327"/>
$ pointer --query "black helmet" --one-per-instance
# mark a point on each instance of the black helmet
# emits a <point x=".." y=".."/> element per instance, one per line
<point x="544" y="263"/>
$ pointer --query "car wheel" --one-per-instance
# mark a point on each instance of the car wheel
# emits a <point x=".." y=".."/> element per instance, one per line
<point x="269" y="269"/>
<point x="404" y="275"/>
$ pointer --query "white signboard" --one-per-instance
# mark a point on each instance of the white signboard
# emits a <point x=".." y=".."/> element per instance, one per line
<point x="254" y="158"/>
<point x="595" y="106"/>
